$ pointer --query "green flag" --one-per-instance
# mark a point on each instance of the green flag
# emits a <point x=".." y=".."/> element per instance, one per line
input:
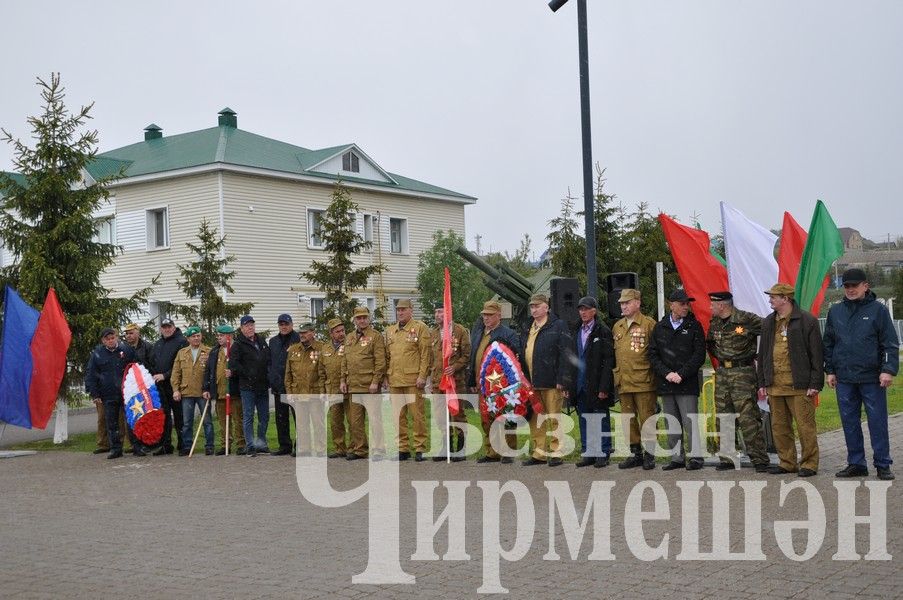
<point x="823" y="246"/>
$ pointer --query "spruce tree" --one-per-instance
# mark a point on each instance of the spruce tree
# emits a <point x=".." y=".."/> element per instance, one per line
<point x="205" y="279"/>
<point x="47" y="223"/>
<point x="567" y="249"/>
<point x="337" y="276"/>
<point x="468" y="291"/>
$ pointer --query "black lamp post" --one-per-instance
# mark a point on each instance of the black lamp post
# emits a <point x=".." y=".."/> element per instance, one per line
<point x="592" y="279"/>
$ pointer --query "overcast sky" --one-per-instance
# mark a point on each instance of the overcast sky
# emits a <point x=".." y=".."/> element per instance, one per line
<point x="765" y="104"/>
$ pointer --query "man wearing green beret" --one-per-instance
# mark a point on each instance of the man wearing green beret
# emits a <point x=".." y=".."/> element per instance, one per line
<point x="188" y="372"/>
<point x="790" y="372"/>
<point x="220" y="381"/>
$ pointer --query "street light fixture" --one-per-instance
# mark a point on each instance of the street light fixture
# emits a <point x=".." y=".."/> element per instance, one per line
<point x="592" y="279"/>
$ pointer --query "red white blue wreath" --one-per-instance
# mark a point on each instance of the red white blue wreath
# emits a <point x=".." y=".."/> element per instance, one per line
<point x="142" y="405"/>
<point x="505" y="392"/>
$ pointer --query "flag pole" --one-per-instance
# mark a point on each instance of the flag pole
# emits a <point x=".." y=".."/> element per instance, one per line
<point x="228" y="431"/>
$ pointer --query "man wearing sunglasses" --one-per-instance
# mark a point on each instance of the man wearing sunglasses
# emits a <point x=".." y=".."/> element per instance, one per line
<point x="861" y="360"/>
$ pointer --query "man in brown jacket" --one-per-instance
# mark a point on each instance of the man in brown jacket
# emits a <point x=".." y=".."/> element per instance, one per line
<point x="408" y="355"/>
<point x="331" y="359"/>
<point x="302" y="377"/>
<point x="187" y="378"/>
<point x="363" y="370"/>
<point x="457" y="368"/>
<point x="633" y="375"/>
<point x="790" y="372"/>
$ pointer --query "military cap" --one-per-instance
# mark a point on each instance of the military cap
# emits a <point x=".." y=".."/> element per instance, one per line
<point x="538" y="299"/>
<point x="107" y="331"/>
<point x="853" y="276"/>
<point x="192" y="330"/>
<point x="284" y="318"/>
<point x="491" y="307"/>
<point x="404" y="304"/>
<point x="247" y="319"/>
<point x="333" y="323"/>
<point x="131" y="326"/>
<point x="720" y="296"/>
<point x="361" y="311"/>
<point x="225" y="329"/>
<point x="588" y="302"/>
<point x="680" y="295"/>
<point x="629" y="294"/>
<point x="781" y="289"/>
<point x="307" y="327"/>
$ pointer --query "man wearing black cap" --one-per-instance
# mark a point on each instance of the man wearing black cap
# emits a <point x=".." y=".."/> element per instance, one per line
<point x="592" y="388"/>
<point x="677" y="351"/>
<point x="861" y="359"/>
<point x="250" y="362"/>
<point x="732" y="341"/>
<point x="164" y="355"/>
<point x="279" y="345"/>
<point x="103" y="382"/>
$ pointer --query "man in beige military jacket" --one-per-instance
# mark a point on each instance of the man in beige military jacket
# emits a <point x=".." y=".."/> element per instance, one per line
<point x="457" y="368"/>
<point x="302" y="376"/>
<point x="187" y="379"/>
<point x="363" y="370"/>
<point x="331" y="359"/>
<point x="409" y="357"/>
<point x="634" y="378"/>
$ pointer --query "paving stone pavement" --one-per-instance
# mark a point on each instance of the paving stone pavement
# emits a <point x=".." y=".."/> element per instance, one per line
<point x="78" y="526"/>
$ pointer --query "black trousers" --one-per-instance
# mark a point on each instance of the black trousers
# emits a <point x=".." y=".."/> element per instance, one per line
<point x="111" y="411"/>
<point x="283" y="429"/>
<point x="173" y="412"/>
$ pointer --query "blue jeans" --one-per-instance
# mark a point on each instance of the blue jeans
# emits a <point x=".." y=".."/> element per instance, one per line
<point x="188" y="406"/>
<point x="259" y="399"/>
<point x="850" y="398"/>
<point x="604" y="449"/>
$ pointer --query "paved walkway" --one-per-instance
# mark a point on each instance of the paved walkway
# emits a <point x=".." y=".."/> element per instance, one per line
<point x="79" y="526"/>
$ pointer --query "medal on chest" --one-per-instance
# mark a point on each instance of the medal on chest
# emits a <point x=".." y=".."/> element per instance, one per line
<point x="784" y="335"/>
<point x="314" y="355"/>
<point x="637" y="340"/>
<point x="365" y="341"/>
<point x="739" y="330"/>
<point x="412" y="335"/>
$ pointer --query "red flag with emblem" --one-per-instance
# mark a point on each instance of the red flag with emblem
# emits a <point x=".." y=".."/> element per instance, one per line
<point x="447" y="383"/>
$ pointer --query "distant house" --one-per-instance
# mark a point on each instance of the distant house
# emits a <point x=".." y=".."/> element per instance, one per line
<point x="267" y="196"/>
<point x="852" y="239"/>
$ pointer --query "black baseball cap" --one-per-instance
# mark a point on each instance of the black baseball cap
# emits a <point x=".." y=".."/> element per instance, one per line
<point x="588" y="302"/>
<point x="854" y="276"/>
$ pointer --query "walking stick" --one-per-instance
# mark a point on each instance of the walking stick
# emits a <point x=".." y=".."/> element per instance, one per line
<point x="228" y="431"/>
<point x="200" y="425"/>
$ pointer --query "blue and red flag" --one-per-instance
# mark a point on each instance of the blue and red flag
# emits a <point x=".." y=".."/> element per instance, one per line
<point x="32" y="359"/>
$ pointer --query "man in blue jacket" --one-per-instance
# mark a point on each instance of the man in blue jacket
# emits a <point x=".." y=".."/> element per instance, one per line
<point x="861" y="359"/>
<point x="103" y="382"/>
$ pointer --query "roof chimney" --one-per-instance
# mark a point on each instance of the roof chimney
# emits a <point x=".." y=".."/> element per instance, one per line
<point x="152" y="132"/>
<point x="228" y="117"/>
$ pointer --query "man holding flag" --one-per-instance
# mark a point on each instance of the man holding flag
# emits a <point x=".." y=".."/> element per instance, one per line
<point x="451" y="350"/>
<point x="220" y="383"/>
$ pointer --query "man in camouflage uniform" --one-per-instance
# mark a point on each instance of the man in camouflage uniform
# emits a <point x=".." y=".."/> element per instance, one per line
<point x="302" y="376"/>
<point x="362" y="373"/>
<point x="331" y="374"/>
<point x="457" y="367"/>
<point x="408" y="355"/>
<point x="633" y="375"/>
<point x="219" y="382"/>
<point x="732" y="341"/>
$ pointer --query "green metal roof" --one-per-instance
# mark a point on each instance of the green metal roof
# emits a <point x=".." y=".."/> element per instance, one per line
<point x="230" y="145"/>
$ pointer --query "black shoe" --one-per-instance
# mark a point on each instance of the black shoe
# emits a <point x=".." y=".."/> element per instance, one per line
<point x="601" y="461"/>
<point x="168" y="450"/>
<point x="853" y="471"/>
<point x="418" y="457"/>
<point x="488" y="459"/>
<point x="507" y="460"/>
<point x="585" y="462"/>
<point x="115" y="454"/>
<point x="631" y="462"/>
<point x="533" y="461"/>
<point x="158" y="452"/>
<point x="403" y="456"/>
<point x="777" y="470"/>
<point x="648" y="462"/>
<point x="333" y="455"/>
<point x="354" y="456"/>
<point x="251" y="451"/>
<point x="282" y="452"/>
<point x="762" y="467"/>
<point x="264" y="450"/>
<point x="183" y="452"/>
<point x="440" y="457"/>
<point x="458" y="458"/>
<point x="101" y="450"/>
<point x="806" y="473"/>
<point x="884" y="473"/>
<point x="672" y="465"/>
<point x="694" y="464"/>
<point x="138" y="452"/>
<point x="208" y="451"/>
<point x="555" y="462"/>
<point x="221" y="452"/>
<point x="725" y="466"/>
<point x="241" y="452"/>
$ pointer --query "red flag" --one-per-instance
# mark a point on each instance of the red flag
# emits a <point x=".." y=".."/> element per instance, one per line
<point x="790" y="255"/>
<point x="447" y="384"/>
<point x="700" y="272"/>
<point x="48" y="350"/>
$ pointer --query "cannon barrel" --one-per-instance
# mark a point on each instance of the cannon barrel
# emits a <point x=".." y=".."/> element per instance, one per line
<point x="478" y="262"/>
<point x="520" y="279"/>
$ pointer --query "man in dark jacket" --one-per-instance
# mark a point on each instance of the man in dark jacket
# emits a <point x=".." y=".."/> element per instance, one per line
<point x="676" y="352"/>
<point x="481" y="336"/>
<point x="103" y="382"/>
<point x="218" y="382"/>
<point x="861" y="359"/>
<point x="250" y="362"/>
<point x="790" y="373"/>
<point x="163" y="356"/>
<point x="547" y="364"/>
<point x="279" y="344"/>
<point x="592" y="388"/>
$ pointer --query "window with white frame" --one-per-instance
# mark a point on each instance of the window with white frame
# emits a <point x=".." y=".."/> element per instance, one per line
<point x="351" y="162"/>
<point x="315" y="227"/>
<point x="157" y="228"/>
<point x="105" y="230"/>
<point x="317" y="308"/>
<point x="398" y="235"/>
<point x="368" y="228"/>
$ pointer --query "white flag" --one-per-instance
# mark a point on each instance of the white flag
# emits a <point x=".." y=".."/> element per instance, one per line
<point x="751" y="265"/>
